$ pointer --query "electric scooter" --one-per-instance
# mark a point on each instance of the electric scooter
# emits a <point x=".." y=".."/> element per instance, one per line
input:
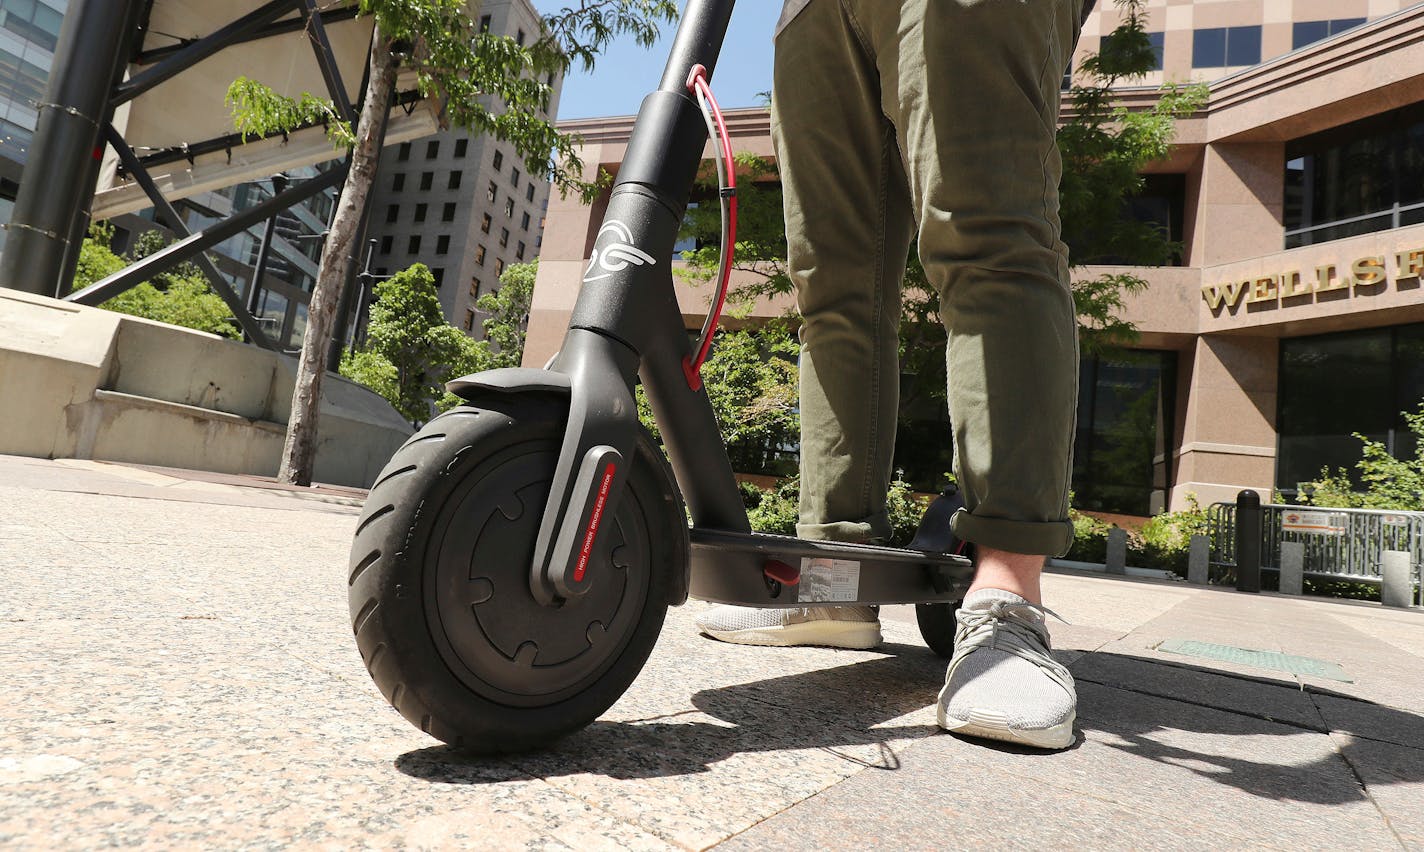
<point x="515" y="559"/>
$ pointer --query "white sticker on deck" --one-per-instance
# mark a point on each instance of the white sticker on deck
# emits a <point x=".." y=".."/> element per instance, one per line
<point x="828" y="580"/>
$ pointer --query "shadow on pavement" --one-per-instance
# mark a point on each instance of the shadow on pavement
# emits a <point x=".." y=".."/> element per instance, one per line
<point x="793" y="712"/>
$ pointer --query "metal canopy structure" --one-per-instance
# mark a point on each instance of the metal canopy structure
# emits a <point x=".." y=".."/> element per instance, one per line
<point x="137" y="99"/>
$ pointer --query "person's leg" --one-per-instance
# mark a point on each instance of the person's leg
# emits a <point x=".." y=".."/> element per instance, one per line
<point x="848" y="231"/>
<point x="973" y="91"/>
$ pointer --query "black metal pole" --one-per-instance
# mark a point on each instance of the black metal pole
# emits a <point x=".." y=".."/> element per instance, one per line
<point x="1248" y="542"/>
<point x="264" y="249"/>
<point x="95" y="38"/>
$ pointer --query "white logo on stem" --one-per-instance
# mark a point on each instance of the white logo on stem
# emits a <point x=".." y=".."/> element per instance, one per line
<point x="616" y="257"/>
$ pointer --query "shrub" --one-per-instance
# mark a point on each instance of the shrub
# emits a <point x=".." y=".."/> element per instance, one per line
<point x="776" y="510"/>
<point x="1166" y="538"/>
<point x="1090" y="538"/>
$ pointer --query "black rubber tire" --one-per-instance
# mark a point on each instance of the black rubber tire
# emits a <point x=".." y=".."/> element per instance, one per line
<point x="444" y="630"/>
<point x="937" y="626"/>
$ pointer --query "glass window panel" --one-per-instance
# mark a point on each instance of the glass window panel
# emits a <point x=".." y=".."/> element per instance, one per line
<point x="1209" y="48"/>
<point x="1159" y="46"/>
<point x="1308" y="32"/>
<point x="1243" y="45"/>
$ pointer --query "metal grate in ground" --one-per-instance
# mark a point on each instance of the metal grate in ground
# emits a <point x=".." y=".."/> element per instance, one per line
<point x="1274" y="660"/>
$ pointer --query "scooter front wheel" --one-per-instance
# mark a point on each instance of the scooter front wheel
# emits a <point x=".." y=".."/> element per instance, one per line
<point x="439" y="581"/>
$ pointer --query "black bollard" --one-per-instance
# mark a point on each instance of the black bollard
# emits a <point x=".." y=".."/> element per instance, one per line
<point x="1248" y="542"/>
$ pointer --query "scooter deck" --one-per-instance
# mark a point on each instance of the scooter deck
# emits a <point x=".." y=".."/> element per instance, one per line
<point x="756" y="569"/>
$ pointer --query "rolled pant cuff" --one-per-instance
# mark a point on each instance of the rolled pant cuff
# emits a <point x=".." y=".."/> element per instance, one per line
<point x="1050" y="538"/>
<point x="852" y="531"/>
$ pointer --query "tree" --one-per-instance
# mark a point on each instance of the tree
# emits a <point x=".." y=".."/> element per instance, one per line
<point x="1388" y="482"/>
<point x="177" y="297"/>
<point x="751" y="378"/>
<point x="1105" y="148"/>
<point x="487" y="83"/>
<point x="506" y="311"/>
<point x="410" y="350"/>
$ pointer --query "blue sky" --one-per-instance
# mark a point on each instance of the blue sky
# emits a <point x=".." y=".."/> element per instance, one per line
<point x="627" y="72"/>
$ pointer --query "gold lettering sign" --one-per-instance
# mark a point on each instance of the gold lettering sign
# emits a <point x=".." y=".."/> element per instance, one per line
<point x="1365" y="272"/>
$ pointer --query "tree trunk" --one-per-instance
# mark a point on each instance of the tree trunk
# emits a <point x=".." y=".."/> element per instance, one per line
<point x="299" y="451"/>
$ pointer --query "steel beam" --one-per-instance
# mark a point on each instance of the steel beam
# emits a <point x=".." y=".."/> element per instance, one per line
<point x="203" y="48"/>
<point x="326" y="60"/>
<point x="277" y="28"/>
<point x="170" y="217"/>
<point x="186" y="248"/>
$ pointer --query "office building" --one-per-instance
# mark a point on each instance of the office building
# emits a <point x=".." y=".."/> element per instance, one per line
<point x="1295" y="316"/>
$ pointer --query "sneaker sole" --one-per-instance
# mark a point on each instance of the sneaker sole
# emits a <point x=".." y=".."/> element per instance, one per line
<point x="851" y="635"/>
<point x="993" y="726"/>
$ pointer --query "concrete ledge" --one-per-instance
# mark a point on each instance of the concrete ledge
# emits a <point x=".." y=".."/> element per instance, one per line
<point x="88" y="383"/>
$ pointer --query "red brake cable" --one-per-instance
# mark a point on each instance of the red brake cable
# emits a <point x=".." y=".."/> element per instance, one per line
<point x="727" y="192"/>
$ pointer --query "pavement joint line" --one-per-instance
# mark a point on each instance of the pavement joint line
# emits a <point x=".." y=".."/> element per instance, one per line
<point x="306" y="505"/>
<point x="1359" y="779"/>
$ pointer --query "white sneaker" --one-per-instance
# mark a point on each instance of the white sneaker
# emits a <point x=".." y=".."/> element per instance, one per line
<point x="856" y="627"/>
<point x="1002" y="682"/>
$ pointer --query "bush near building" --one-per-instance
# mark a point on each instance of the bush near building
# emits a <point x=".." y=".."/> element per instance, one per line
<point x="1385" y="482"/>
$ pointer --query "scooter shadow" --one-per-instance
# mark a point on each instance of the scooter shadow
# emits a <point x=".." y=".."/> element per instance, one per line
<point x="838" y="710"/>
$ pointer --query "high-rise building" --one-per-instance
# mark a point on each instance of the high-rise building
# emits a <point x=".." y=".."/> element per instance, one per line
<point x="29" y="31"/>
<point x="463" y="205"/>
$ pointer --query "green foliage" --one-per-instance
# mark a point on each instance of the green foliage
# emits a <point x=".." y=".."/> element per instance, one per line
<point x="177" y="297"/>
<point x="761" y="231"/>
<point x="1104" y="149"/>
<point x="506" y="313"/>
<point x="1388" y="482"/>
<point x="410" y="350"/>
<point x="1090" y="538"/>
<point x="1165" y="540"/>
<point x="775" y="510"/>
<point x="751" y="379"/>
<point x="486" y="83"/>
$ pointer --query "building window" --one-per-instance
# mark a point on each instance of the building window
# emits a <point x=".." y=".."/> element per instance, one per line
<point x="392" y="213"/>
<point x="529" y="193"/>
<point x="480" y="255"/>
<point x="387" y="243"/>
<point x="519" y="252"/>
<point x="1368" y="377"/>
<point x="549" y="80"/>
<point x="485" y="222"/>
<point x="1158" y="41"/>
<point x="1309" y="32"/>
<point x="499" y="266"/>
<point x="503" y="237"/>
<point x="519" y="38"/>
<point x="1222" y="47"/>
<point x="432" y="149"/>
<point x="462" y="146"/>
<point x="524" y="221"/>
<point x="509" y="208"/>
<point x="448" y="213"/>
<point x="498" y="160"/>
<point x="398" y="182"/>
<point x="493" y="191"/>
<point x="485" y="23"/>
<point x="427" y="179"/>
<point x="413" y="247"/>
<point x="469" y="318"/>
<point x="438" y="273"/>
<point x="403" y="153"/>
<point x="1125" y="411"/>
<point x="455" y="177"/>
<point x="1355" y="179"/>
<point x="420" y="210"/>
<point x="442" y="244"/>
<point x="514" y="177"/>
<point x="474" y="286"/>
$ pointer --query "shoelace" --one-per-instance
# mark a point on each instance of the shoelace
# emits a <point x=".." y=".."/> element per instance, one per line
<point x="1024" y="638"/>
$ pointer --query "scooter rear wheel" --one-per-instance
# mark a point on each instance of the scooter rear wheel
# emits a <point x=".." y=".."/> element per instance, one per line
<point x="439" y="582"/>
<point x="937" y="626"/>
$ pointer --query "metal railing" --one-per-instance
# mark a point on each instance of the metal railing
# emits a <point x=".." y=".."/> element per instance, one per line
<point x="1350" y="549"/>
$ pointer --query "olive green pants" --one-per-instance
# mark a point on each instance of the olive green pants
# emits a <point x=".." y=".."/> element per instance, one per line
<point x="931" y="120"/>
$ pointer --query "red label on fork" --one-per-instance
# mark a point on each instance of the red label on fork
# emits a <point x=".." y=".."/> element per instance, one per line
<point x="592" y="532"/>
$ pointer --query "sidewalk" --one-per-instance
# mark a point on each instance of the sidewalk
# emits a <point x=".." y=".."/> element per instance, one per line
<point x="179" y="671"/>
